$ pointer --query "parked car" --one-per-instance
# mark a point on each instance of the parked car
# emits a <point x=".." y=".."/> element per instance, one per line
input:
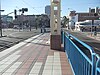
<point x="16" y="27"/>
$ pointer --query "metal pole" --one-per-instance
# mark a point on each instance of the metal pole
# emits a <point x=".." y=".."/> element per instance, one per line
<point x="19" y="17"/>
<point x="0" y="20"/>
<point x="91" y="28"/>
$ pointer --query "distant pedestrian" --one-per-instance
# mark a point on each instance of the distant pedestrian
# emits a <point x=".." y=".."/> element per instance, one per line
<point x="95" y="33"/>
<point x="41" y="29"/>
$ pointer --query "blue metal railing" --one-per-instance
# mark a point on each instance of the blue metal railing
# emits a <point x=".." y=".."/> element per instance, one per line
<point x="97" y="65"/>
<point x="81" y="63"/>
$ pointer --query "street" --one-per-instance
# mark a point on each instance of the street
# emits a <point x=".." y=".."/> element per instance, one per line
<point x="14" y="36"/>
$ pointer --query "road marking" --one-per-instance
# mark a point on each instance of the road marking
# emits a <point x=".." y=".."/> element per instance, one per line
<point x="13" y="48"/>
<point x="10" y="57"/>
<point x="48" y="66"/>
<point x="12" y="68"/>
<point x="36" y="68"/>
<point x="6" y="64"/>
<point x="28" y="44"/>
<point x="30" y="39"/>
<point x="35" y="41"/>
<point x="57" y="68"/>
<point x="40" y="41"/>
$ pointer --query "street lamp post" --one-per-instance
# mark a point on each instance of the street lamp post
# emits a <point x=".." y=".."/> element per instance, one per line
<point x="0" y="19"/>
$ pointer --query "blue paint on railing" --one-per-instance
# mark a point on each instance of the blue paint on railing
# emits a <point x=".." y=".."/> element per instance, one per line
<point x="97" y="65"/>
<point x="80" y="62"/>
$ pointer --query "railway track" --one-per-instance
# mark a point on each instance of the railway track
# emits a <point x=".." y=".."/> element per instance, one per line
<point x="14" y="36"/>
<point x="7" y="44"/>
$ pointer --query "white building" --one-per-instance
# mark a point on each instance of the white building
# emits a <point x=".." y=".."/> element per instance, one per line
<point x="87" y="25"/>
<point x="73" y="18"/>
<point x="72" y="21"/>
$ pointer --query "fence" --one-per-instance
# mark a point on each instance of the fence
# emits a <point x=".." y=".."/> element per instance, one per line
<point x="97" y="65"/>
<point x="84" y="60"/>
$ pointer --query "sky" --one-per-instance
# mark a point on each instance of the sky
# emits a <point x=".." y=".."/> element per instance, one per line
<point x="38" y="6"/>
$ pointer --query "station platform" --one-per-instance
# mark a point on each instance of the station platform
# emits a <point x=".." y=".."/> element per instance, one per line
<point x="34" y="57"/>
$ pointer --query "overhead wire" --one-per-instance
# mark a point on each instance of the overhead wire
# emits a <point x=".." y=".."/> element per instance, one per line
<point x="29" y="5"/>
<point x="77" y="4"/>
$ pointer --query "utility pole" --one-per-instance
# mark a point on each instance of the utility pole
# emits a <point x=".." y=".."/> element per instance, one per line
<point x="0" y="19"/>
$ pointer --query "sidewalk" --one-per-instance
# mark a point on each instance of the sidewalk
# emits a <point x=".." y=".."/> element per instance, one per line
<point x="34" y="57"/>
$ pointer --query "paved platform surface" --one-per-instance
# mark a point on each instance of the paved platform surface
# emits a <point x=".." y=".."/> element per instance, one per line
<point x="34" y="57"/>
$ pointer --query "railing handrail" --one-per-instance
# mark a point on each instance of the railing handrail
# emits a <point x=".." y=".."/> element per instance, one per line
<point x="95" y="61"/>
<point x="87" y="46"/>
<point x="84" y="55"/>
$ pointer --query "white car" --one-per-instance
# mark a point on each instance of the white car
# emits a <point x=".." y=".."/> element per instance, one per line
<point x="16" y="27"/>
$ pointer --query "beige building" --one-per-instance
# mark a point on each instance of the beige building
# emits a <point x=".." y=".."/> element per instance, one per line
<point x="74" y="16"/>
<point x="93" y="14"/>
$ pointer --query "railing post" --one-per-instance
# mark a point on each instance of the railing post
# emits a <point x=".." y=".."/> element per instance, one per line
<point x="61" y="36"/>
<point x="69" y="45"/>
<point x="97" y="64"/>
<point x="93" y="64"/>
<point x="64" y="41"/>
